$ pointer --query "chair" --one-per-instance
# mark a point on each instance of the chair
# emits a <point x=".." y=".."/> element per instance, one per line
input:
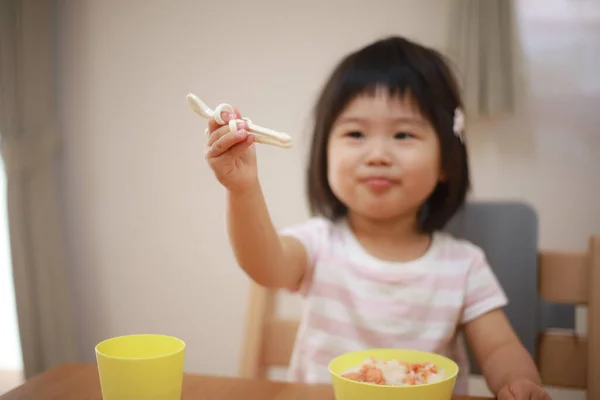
<point x="563" y="358"/>
<point x="268" y="340"/>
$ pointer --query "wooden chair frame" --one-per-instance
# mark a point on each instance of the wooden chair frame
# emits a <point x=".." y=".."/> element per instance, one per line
<point x="564" y="359"/>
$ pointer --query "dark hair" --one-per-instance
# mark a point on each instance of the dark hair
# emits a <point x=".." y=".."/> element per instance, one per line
<point x="403" y="68"/>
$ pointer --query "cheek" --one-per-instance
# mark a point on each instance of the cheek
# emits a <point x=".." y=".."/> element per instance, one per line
<point x="422" y="169"/>
<point x="340" y="166"/>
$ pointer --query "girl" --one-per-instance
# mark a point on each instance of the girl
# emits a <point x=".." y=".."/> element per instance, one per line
<point x="388" y="169"/>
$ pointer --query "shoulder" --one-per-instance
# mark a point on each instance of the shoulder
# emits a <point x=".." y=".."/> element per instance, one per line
<point x="450" y="247"/>
<point x="315" y="234"/>
<point x="315" y="226"/>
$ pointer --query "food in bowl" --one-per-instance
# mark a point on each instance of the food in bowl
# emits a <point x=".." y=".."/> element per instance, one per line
<point x="348" y="389"/>
<point x="394" y="373"/>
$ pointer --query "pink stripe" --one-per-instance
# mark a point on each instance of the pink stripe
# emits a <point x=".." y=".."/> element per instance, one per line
<point x="396" y="275"/>
<point x="384" y="308"/>
<point x="425" y="279"/>
<point x="429" y="280"/>
<point x="478" y="265"/>
<point x="369" y="337"/>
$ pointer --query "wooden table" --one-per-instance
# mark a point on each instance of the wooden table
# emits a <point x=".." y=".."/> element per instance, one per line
<point x="80" y="382"/>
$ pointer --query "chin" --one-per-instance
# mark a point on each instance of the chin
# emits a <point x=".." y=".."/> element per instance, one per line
<point x="381" y="207"/>
<point x="377" y="211"/>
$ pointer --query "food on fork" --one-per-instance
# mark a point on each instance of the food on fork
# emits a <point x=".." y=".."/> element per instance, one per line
<point x="261" y="134"/>
<point x="394" y="373"/>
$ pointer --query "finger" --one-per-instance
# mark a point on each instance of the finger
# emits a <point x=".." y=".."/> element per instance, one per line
<point x="237" y="113"/>
<point x="226" y="116"/>
<point x="506" y="394"/>
<point x="225" y="142"/>
<point x="543" y="395"/>
<point x="238" y="149"/>
<point x="216" y="135"/>
<point x="223" y="130"/>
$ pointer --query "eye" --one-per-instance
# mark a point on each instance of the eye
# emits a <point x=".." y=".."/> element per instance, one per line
<point x="355" y="135"/>
<point x="403" y="135"/>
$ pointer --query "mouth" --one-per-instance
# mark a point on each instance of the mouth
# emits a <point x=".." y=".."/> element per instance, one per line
<point x="379" y="183"/>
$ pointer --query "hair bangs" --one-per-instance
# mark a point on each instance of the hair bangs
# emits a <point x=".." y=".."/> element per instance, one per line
<point x="376" y="70"/>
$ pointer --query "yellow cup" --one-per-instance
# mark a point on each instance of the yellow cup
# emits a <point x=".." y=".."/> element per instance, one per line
<point x="137" y="367"/>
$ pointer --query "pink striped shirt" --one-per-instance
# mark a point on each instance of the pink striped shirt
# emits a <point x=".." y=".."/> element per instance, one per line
<point x="355" y="301"/>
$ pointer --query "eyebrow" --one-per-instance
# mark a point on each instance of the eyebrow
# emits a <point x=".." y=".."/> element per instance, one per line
<point x="410" y="120"/>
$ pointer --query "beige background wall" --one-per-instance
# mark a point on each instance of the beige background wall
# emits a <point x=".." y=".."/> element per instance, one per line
<point x="146" y="221"/>
<point x="146" y="215"/>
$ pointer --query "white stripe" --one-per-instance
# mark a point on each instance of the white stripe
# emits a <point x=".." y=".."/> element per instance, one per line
<point x="335" y="344"/>
<point x="395" y="293"/>
<point x="389" y="325"/>
<point x="439" y="267"/>
<point x="480" y="278"/>
<point x="340" y="344"/>
<point x="478" y="309"/>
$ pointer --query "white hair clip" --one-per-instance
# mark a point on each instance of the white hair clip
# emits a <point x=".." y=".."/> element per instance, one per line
<point x="261" y="134"/>
<point x="459" y="124"/>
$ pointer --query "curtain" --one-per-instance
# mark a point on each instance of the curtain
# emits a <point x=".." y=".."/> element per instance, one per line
<point x="30" y="145"/>
<point x="483" y="47"/>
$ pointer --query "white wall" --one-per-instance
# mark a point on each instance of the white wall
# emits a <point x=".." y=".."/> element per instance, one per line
<point x="146" y="216"/>
<point x="550" y="155"/>
<point x="146" y="221"/>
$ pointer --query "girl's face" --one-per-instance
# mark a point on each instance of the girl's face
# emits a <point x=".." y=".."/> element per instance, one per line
<point x="383" y="157"/>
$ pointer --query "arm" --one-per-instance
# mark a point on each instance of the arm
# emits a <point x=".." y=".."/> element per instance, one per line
<point x="271" y="260"/>
<point x="499" y="352"/>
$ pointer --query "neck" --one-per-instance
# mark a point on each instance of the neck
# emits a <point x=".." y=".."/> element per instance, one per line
<point x="383" y="229"/>
<point x="396" y="239"/>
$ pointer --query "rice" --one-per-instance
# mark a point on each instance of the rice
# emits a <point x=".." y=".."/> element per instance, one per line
<point x="394" y="372"/>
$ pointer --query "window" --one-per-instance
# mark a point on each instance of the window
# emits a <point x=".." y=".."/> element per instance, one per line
<point x="10" y="346"/>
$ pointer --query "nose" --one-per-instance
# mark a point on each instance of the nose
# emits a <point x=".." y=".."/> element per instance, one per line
<point x="378" y="153"/>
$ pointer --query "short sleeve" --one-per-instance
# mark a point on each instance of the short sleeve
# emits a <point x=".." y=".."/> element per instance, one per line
<point x="313" y="236"/>
<point x="483" y="292"/>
